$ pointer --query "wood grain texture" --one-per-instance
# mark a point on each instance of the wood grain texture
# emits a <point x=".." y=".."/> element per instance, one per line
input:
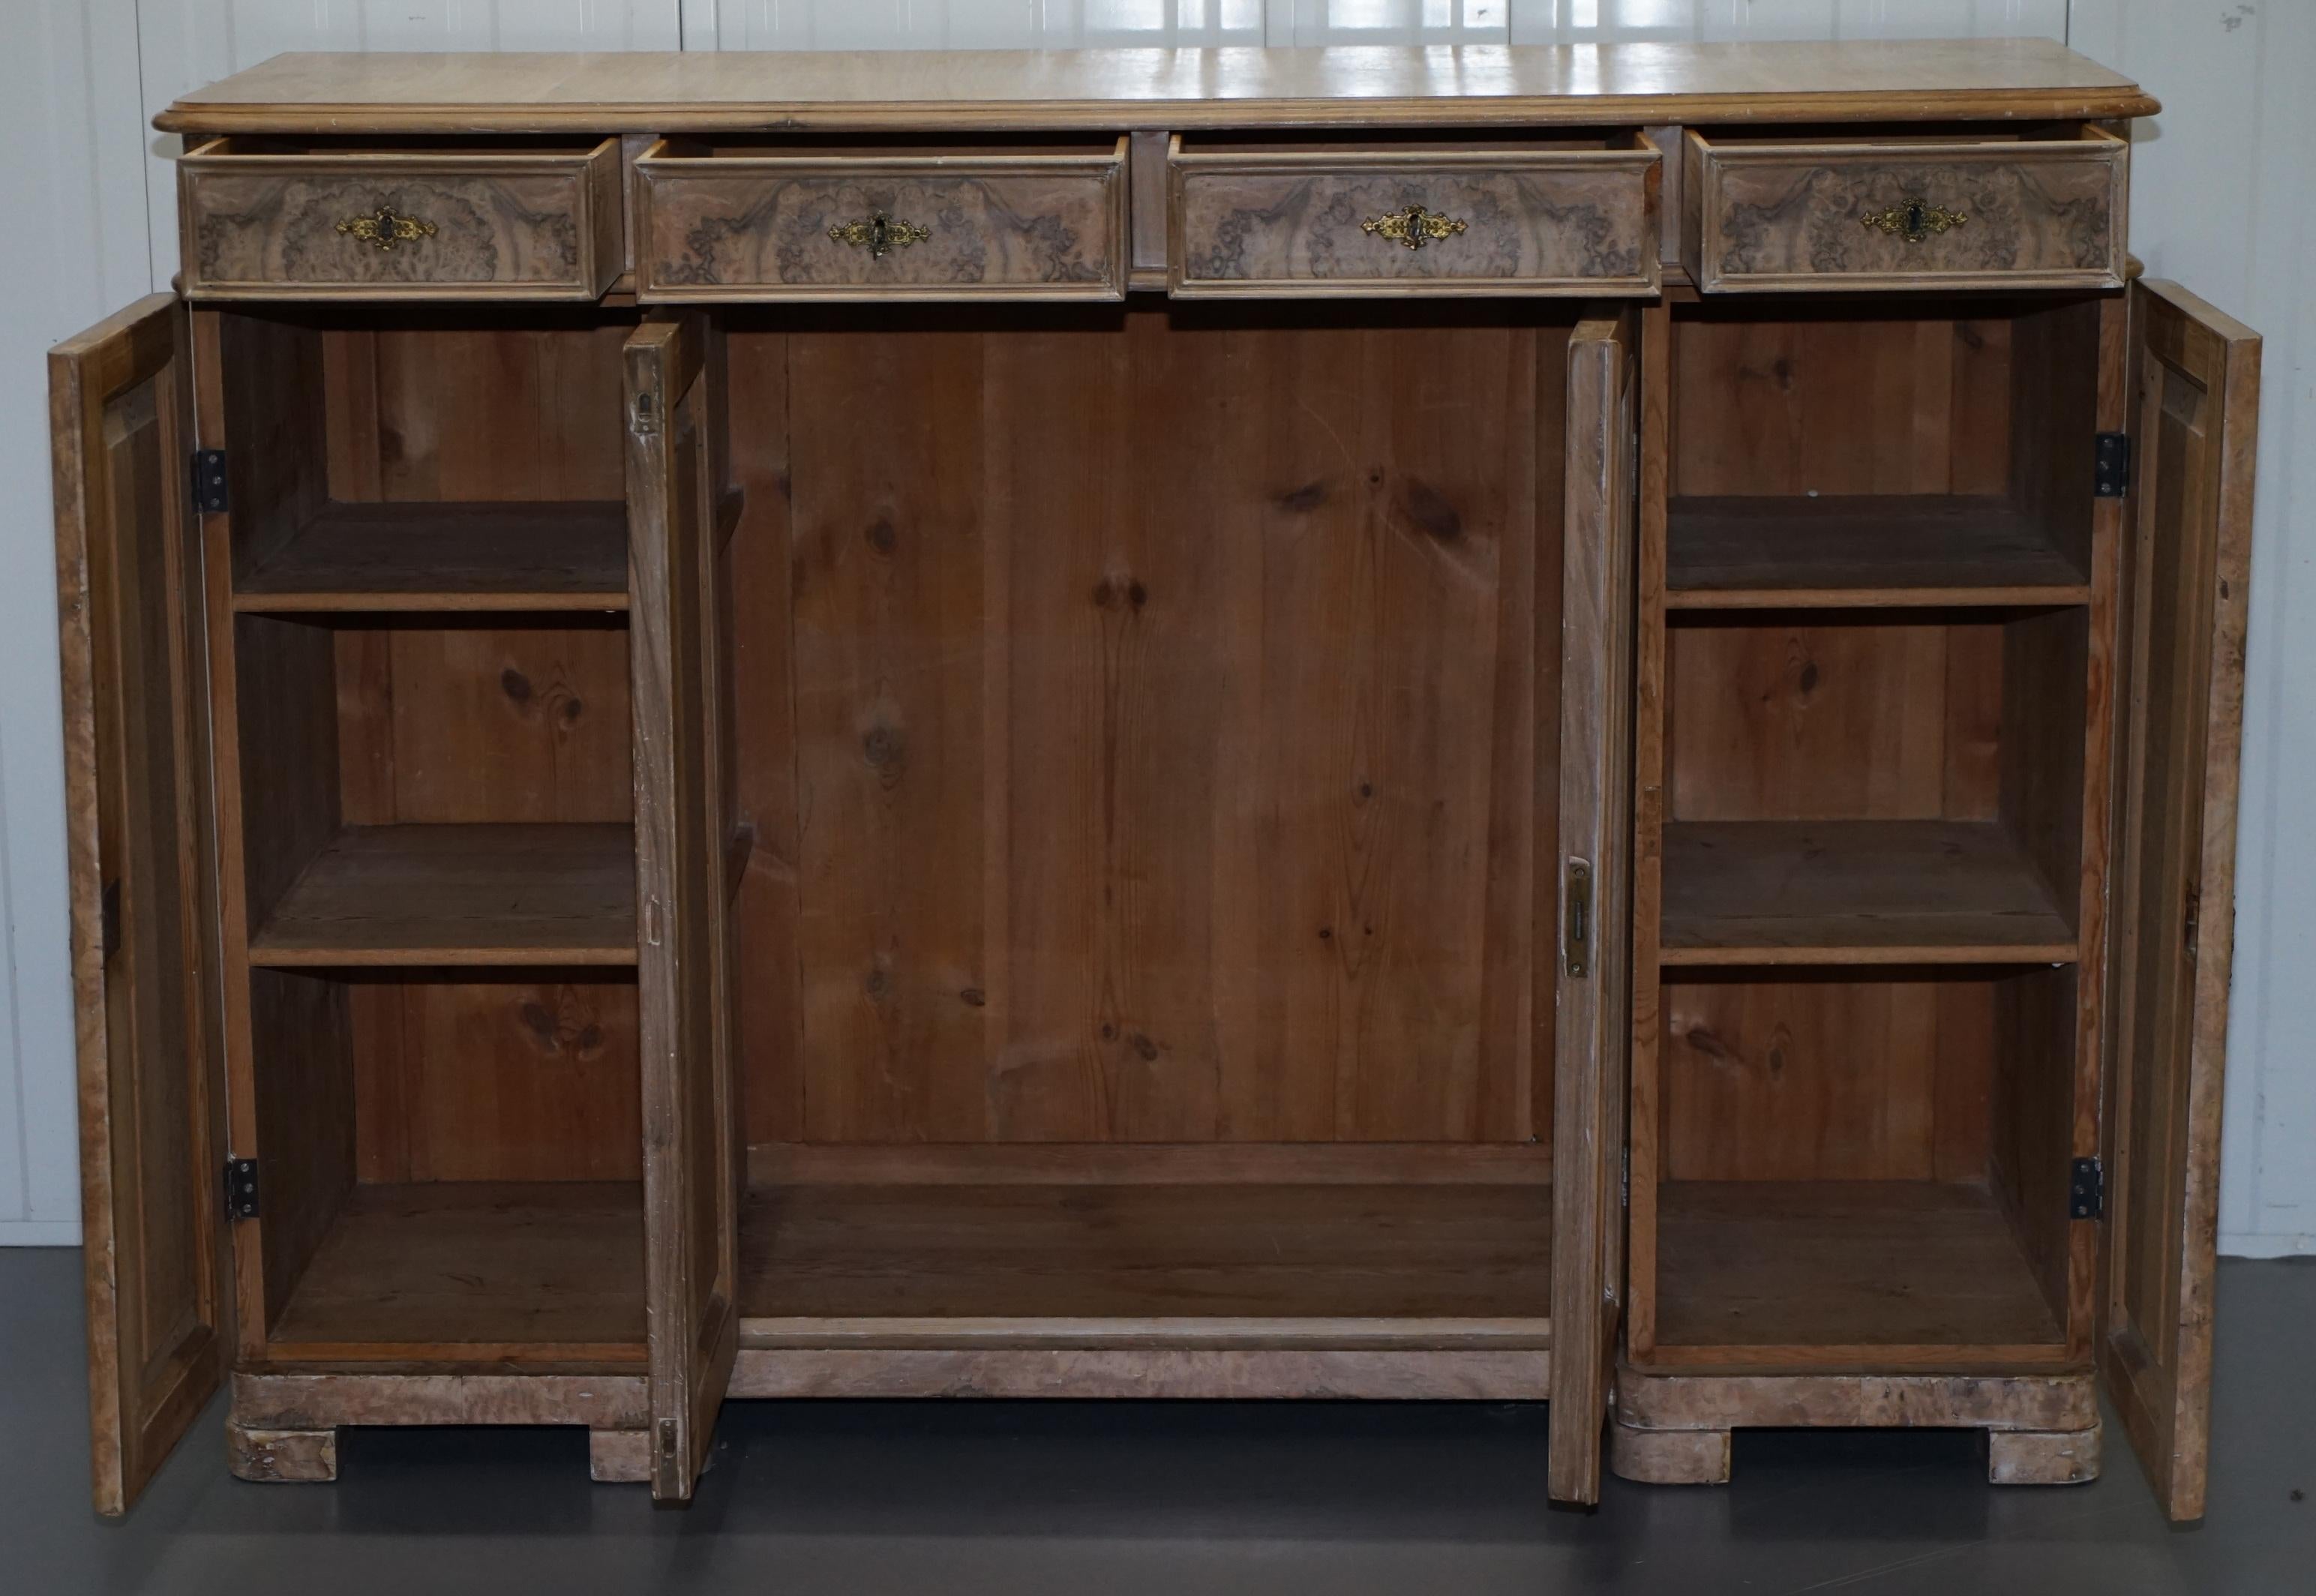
<point x="1840" y="398"/>
<point x="1771" y="217"/>
<point x="458" y="894"/>
<point x="2189" y="562"/>
<point x="473" y="1274"/>
<point x="268" y="1397"/>
<point x="677" y="457"/>
<point x="1835" y="715"/>
<point x="1866" y="551"/>
<point x="1593" y="858"/>
<point x="1252" y="221"/>
<point x="619" y="1456"/>
<point x="1520" y="86"/>
<point x="1176" y="1254"/>
<point x="1817" y="1074"/>
<point x="1879" y="1274"/>
<point x="531" y="226"/>
<point x="2047" y="1402"/>
<point x="1758" y="892"/>
<point x="130" y="609"/>
<point x="1645" y="1118"/>
<point x="2043" y="1458"/>
<point x="279" y="1457"/>
<point x="742" y="225"/>
<point x="1668" y="1457"/>
<point x="375" y="559"/>
<point x="1176" y="784"/>
<point x="1213" y="1374"/>
<point x="494" y="1074"/>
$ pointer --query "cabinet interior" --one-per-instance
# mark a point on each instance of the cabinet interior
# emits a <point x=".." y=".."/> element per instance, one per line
<point x="1880" y="638"/>
<point x="1144" y="727"/>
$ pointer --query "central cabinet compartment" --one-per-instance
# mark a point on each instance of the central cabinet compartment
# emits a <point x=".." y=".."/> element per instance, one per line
<point x="1149" y="721"/>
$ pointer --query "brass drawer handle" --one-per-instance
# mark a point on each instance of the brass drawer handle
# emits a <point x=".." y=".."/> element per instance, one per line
<point x="383" y="229"/>
<point x="1413" y="226"/>
<point x="880" y="235"/>
<point x="1914" y="219"/>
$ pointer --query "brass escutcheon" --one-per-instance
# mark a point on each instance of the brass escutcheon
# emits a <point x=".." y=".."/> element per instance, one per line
<point x="1914" y="219"/>
<point x="384" y="229"/>
<point x="1413" y="226"/>
<point x="880" y="235"/>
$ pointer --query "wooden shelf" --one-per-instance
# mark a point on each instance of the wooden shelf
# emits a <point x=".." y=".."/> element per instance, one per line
<point x="460" y="895"/>
<point x="1862" y="552"/>
<point x="1819" y="1274"/>
<point x="474" y="1274"/>
<point x="454" y="557"/>
<point x="1194" y="1265"/>
<point x="1777" y="892"/>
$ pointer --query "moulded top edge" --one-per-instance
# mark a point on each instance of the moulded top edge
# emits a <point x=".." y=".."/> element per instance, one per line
<point x="1347" y="87"/>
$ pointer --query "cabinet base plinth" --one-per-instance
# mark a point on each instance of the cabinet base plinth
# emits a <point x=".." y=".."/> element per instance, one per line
<point x="282" y="1457"/>
<point x="1675" y="1429"/>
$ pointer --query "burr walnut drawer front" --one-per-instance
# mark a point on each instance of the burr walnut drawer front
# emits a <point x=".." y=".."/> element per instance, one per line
<point x="268" y="218"/>
<point x="1412" y="218"/>
<point x="2042" y="209"/>
<point x="1032" y="221"/>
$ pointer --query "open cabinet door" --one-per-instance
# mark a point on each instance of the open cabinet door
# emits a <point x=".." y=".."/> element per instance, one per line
<point x="141" y="864"/>
<point x="1593" y="989"/>
<point x="2194" y="418"/>
<point x="691" y="1166"/>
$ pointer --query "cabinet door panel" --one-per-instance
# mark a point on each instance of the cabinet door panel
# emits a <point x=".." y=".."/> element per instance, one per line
<point x="1595" y="975"/>
<point x="2197" y="404"/>
<point x="691" y="1163"/>
<point x="141" y="863"/>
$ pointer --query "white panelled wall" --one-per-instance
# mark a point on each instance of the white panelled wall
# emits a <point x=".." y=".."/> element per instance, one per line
<point x="2221" y="200"/>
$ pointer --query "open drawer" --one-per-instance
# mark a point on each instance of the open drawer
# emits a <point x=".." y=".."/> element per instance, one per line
<point x="1996" y="209"/>
<point x="802" y="219"/>
<point x="1311" y="218"/>
<point x="310" y="218"/>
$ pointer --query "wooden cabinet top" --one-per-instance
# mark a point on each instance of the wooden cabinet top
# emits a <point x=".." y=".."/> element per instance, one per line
<point x="1340" y="86"/>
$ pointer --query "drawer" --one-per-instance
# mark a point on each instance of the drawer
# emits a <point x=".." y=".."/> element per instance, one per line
<point x="1034" y="221"/>
<point x="1324" y="220"/>
<point x="1976" y="211"/>
<point x="268" y="218"/>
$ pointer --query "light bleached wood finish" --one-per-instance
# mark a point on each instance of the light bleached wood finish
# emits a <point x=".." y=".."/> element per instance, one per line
<point x="677" y="458"/>
<point x="143" y="898"/>
<point x="1351" y="87"/>
<point x="278" y="1457"/>
<point x="1773" y="217"/>
<point x="1145" y="1375"/>
<point x="748" y="224"/>
<point x="619" y="1456"/>
<point x="1674" y="1429"/>
<point x="2043" y="1458"/>
<point x="1667" y="1456"/>
<point x="1292" y="220"/>
<point x="1593" y="981"/>
<point x="2188" y="561"/>
<point x="264" y="224"/>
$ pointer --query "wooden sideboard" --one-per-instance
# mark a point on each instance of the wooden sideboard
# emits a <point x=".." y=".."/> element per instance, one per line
<point x="1511" y="724"/>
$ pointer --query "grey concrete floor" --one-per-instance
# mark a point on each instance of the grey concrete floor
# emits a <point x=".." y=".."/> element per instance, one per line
<point x="860" y="1498"/>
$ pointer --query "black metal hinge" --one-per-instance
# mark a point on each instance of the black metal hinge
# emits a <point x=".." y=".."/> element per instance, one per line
<point x="108" y="914"/>
<point x="241" y="1188"/>
<point x="2111" y="466"/>
<point x="209" y="496"/>
<point x="2087" y="1189"/>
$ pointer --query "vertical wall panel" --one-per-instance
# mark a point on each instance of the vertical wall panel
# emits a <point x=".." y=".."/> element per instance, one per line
<point x="1565" y="21"/>
<point x="76" y="183"/>
<point x="969" y="25"/>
